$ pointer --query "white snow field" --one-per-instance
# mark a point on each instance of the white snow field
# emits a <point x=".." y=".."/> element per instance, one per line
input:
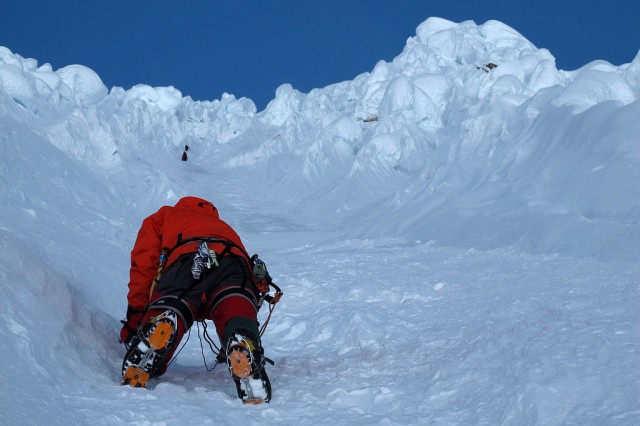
<point x="457" y="244"/>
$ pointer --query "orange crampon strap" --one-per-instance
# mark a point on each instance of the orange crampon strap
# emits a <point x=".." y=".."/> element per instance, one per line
<point x="239" y="362"/>
<point x="135" y="377"/>
<point x="161" y="335"/>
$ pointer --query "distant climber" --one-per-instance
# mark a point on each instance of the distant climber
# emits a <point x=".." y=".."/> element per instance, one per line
<point x="184" y="154"/>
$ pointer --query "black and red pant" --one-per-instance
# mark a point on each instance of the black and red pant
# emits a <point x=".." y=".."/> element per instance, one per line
<point x="224" y="294"/>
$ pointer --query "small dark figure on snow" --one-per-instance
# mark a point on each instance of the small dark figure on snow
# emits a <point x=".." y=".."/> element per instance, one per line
<point x="188" y="265"/>
<point x="184" y="154"/>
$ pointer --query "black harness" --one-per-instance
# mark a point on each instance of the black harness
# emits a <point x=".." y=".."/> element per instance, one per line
<point x="263" y="285"/>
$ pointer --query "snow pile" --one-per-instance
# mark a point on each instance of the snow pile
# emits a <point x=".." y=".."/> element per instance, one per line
<point x="599" y="82"/>
<point x="441" y="131"/>
<point x="165" y="98"/>
<point x="456" y="233"/>
<point x="31" y="85"/>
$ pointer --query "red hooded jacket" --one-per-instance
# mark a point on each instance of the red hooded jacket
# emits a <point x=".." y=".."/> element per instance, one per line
<point x="191" y="217"/>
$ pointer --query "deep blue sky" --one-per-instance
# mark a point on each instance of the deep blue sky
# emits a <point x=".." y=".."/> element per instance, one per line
<point x="248" y="48"/>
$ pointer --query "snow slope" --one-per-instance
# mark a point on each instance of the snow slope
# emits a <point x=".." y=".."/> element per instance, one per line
<point x="457" y="243"/>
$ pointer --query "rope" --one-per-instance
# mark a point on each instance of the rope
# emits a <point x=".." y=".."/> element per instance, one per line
<point x="211" y="344"/>
<point x="272" y="305"/>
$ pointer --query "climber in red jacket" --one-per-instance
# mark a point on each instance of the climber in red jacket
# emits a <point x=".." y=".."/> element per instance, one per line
<point x="188" y="265"/>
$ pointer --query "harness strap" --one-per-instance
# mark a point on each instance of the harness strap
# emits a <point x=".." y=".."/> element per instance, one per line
<point x="165" y="253"/>
<point x="229" y="245"/>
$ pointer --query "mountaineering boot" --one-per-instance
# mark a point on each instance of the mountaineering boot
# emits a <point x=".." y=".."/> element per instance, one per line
<point x="246" y="364"/>
<point x="148" y="349"/>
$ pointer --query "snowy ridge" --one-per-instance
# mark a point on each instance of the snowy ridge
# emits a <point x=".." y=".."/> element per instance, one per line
<point x="457" y="242"/>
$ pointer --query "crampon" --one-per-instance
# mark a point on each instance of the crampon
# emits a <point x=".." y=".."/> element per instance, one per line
<point x="246" y="364"/>
<point x="148" y="349"/>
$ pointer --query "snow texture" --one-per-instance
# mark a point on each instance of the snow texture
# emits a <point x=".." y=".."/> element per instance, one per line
<point x="458" y="243"/>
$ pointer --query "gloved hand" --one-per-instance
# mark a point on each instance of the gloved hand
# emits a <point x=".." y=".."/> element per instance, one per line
<point x="130" y="324"/>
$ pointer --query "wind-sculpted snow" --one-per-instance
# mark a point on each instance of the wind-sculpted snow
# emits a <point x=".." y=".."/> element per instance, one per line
<point x="456" y="232"/>
<point x="32" y="86"/>
<point x="596" y="83"/>
<point x="458" y="118"/>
